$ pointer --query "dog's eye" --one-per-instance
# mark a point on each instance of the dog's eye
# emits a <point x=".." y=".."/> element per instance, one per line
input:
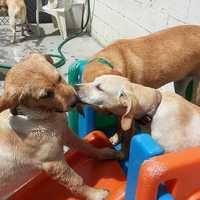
<point x="49" y="94"/>
<point x="99" y="87"/>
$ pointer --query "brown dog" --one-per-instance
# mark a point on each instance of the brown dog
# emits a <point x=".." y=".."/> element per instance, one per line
<point x="3" y="4"/>
<point x="154" y="60"/>
<point x="32" y="135"/>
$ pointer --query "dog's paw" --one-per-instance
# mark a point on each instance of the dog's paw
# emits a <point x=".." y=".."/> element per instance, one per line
<point x="114" y="139"/>
<point x="99" y="194"/>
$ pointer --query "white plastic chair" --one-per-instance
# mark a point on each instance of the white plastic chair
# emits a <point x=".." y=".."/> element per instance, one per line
<point x="59" y="14"/>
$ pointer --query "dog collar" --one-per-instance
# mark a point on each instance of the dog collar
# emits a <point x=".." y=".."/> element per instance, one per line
<point x="102" y="61"/>
<point x="147" y="118"/>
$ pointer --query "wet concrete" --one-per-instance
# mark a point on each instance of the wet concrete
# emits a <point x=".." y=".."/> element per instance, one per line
<point x="79" y="48"/>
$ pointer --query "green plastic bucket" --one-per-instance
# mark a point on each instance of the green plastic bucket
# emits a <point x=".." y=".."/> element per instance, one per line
<point x="103" y="121"/>
<point x="189" y="91"/>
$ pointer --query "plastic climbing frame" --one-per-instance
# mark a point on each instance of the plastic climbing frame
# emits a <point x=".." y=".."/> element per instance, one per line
<point x="152" y="174"/>
<point x="100" y="174"/>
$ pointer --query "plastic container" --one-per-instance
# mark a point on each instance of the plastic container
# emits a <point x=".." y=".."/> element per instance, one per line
<point x="80" y="125"/>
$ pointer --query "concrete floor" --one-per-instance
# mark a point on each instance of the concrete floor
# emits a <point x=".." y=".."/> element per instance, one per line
<point x="82" y="47"/>
<point x="78" y="48"/>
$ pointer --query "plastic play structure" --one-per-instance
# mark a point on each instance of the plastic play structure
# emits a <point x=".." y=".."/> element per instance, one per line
<point x="164" y="177"/>
<point x="104" y="174"/>
<point x="148" y="173"/>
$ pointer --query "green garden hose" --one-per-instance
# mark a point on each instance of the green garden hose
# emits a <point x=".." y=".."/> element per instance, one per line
<point x="60" y="56"/>
<point x="5" y="66"/>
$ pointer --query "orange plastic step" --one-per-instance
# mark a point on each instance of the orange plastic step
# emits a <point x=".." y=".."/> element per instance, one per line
<point x="180" y="171"/>
<point x="100" y="174"/>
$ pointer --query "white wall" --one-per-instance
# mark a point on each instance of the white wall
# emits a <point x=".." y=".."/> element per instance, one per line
<point x="115" y="19"/>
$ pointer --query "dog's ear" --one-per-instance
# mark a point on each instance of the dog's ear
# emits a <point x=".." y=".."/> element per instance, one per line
<point x="8" y="101"/>
<point x="130" y="102"/>
<point x="4" y="104"/>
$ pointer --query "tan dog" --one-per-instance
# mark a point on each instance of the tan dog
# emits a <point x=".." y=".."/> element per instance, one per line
<point x="3" y="4"/>
<point x="175" y="121"/>
<point x="154" y="60"/>
<point x="17" y="14"/>
<point x="32" y="135"/>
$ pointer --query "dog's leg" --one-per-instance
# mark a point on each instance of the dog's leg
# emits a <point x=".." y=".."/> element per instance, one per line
<point x="61" y="171"/>
<point x="28" y="27"/>
<point x="117" y="137"/>
<point x="13" y="29"/>
<point x="22" y="29"/>
<point x="126" y="143"/>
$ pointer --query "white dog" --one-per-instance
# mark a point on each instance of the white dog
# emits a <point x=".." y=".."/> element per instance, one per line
<point x="175" y="122"/>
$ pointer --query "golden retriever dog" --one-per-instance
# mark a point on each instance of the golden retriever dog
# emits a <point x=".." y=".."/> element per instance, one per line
<point x="169" y="55"/>
<point x="175" y="121"/>
<point x="17" y="14"/>
<point x="33" y="129"/>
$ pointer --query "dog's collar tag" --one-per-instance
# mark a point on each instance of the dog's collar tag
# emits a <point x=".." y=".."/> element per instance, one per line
<point x="102" y="61"/>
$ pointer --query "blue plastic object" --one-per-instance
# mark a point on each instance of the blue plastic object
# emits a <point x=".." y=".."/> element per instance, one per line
<point x="143" y="147"/>
<point x="86" y="123"/>
<point x="163" y="195"/>
<point x="78" y="123"/>
<point x="74" y="77"/>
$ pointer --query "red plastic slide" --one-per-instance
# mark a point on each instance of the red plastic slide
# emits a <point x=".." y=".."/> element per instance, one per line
<point x="100" y="174"/>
